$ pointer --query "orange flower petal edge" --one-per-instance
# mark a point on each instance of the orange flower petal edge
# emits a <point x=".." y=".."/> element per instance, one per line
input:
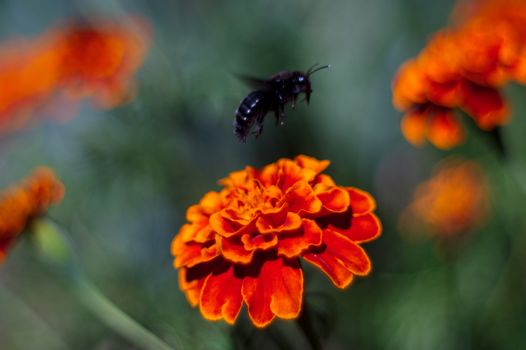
<point x="93" y="60"/>
<point x="19" y="204"/>
<point x="244" y="244"/>
<point x="463" y="67"/>
<point x="452" y="202"/>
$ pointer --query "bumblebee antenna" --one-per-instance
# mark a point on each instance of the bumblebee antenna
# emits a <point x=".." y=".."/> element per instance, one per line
<point x="315" y="68"/>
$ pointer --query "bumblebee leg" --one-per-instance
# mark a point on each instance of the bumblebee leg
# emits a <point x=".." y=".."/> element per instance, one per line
<point x="293" y="105"/>
<point x="259" y="127"/>
<point x="281" y="110"/>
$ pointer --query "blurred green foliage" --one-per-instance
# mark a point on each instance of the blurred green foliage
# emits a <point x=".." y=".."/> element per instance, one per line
<point x="131" y="172"/>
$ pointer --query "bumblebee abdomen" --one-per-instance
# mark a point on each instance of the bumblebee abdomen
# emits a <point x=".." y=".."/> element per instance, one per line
<point x="251" y="108"/>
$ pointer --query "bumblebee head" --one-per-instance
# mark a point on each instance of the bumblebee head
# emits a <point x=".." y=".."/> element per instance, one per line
<point x="301" y="81"/>
<point x="301" y="84"/>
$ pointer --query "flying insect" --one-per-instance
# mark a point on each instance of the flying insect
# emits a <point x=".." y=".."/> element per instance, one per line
<point x="271" y="95"/>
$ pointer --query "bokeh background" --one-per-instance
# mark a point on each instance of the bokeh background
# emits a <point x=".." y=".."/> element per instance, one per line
<point x="131" y="172"/>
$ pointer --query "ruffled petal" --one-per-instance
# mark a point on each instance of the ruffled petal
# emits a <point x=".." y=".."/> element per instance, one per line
<point x="302" y="199"/>
<point x="408" y="86"/>
<point x="291" y="245"/>
<point x="292" y="222"/>
<point x="414" y="127"/>
<point x="238" y="178"/>
<point x="277" y="290"/>
<point x="363" y="228"/>
<point x="194" y="253"/>
<point x="445" y="93"/>
<point x="225" y="226"/>
<point x="312" y="163"/>
<point x="233" y="250"/>
<point x="195" y="213"/>
<point x="288" y="174"/>
<point x="335" y="200"/>
<point x="221" y="295"/>
<point x="485" y="104"/>
<point x="332" y="267"/>
<point x="259" y="241"/>
<point x="323" y="183"/>
<point x="445" y="130"/>
<point x="191" y="280"/>
<point x="191" y="289"/>
<point x="196" y="232"/>
<point x="339" y="258"/>
<point x="211" y="202"/>
<point x="361" y="202"/>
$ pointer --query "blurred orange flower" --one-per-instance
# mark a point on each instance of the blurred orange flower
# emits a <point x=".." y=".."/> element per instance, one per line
<point x="94" y="60"/>
<point x="454" y="201"/>
<point x="243" y="244"/>
<point x="19" y="204"/>
<point x="463" y="67"/>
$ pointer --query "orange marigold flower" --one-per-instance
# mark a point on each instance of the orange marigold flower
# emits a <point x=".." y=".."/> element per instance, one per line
<point x="452" y="202"/>
<point x="243" y="244"/>
<point x="19" y="204"/>
<point x="69" y="63"/>
<point x="437" y="124"/>
<point x="464" y="67"/>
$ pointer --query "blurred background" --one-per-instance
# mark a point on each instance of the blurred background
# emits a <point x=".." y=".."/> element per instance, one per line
<point x="131" y="172"/>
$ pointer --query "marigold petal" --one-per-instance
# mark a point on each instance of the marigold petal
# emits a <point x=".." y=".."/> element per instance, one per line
<point x="221" y="295"/>
<point x="291" y="245"/>
<point x="292" y="222"/>
<point x="195" y="253"/>
<point x="445" y="130"/>
<point x="196" y="232"/>
<point x="340" y="276"/>
<point x="349" y="253"/>
<point x="239" y="178"/>
<point x="21" y="203"/>
<point x="269" y="174"/>
<point x="233" y="250"/>
<point x="335" y="200"/>
<point x="485" y="104"/>
<point x="191" y="282"/>
<point x="211" y="202"/>
<point x="363" y="228"/>
<point x="276" y="291"/>
<point x="195" y="213"/>
<point x="414" y="127"/>
<point x="445" y="94"/>
<point x="302" y="199"/>
<point x="289" y="173"/>
<point x="408" y="86"/>
<point x="339" y="258"/>
<point x="361" y="202"/>
<point x="322" y="183"/>
<point x="226" y="227"/>
<point x="259" y="241"/>
<point x="312" y="163"/>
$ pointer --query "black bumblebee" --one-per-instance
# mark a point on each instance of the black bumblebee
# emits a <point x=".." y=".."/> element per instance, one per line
<point x="271" y="95"/>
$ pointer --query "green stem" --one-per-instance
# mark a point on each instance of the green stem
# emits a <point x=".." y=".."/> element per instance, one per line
<point x="113" y="317"/>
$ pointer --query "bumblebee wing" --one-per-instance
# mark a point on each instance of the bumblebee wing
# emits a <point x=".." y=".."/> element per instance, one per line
<point x="253" y="82"/>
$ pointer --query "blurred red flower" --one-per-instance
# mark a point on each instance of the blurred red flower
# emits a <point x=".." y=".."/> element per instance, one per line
<point x="19" y="204"/>
<point x="463" y="67"/>
<point x="454" y="201"/>
<point x="243" y="244"/>
<point x="94" y="60"/>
